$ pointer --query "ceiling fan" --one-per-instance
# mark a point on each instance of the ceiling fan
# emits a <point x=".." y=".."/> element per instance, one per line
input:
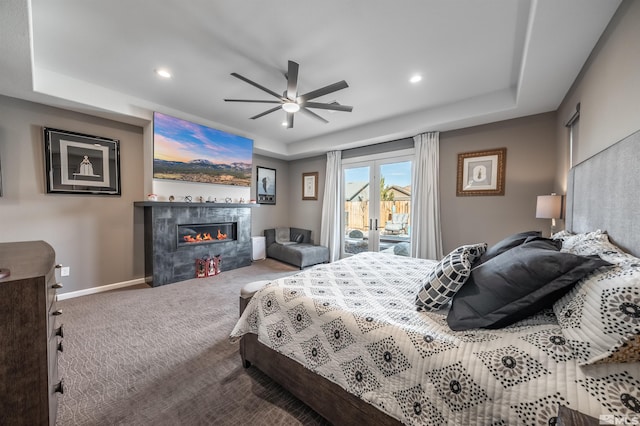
<point x="290" y="102"/>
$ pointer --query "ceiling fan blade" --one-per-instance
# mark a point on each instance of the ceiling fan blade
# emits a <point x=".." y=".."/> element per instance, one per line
<point x="289" y="120"/>
<point x="253" y="100"/>
<point x="312" y="114"/>
<point x="324" y="91"/>
<point x="253" y="83"/>
<point x="292" y="81"/>
<point x="266" y="112"/>
<point x="332" y="106"/>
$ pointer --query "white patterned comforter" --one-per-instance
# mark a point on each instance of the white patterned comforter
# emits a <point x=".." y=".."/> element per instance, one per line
<point x="354" y="322"/>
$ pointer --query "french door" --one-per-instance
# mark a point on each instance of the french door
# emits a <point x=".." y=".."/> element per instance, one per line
<point x="377" y="205"/>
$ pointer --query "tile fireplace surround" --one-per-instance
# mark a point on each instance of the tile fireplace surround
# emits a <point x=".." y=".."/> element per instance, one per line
<point x="166" y="261"/>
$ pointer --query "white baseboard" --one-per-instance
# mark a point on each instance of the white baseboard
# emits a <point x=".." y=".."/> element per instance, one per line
<point x="100" y="289"/>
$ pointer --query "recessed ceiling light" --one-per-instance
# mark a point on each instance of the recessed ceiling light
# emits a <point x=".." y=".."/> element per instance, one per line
<point x="163" y="73"/>
<point x="415" y="78"/>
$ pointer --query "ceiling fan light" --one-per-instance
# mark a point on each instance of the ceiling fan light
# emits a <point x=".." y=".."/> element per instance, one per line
<point x="291" y="107"/>
<point x="164" y="73"/>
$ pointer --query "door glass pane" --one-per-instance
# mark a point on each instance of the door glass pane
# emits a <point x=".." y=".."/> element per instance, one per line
<point x="395" y="207"/>
<point x="356" y="209"/>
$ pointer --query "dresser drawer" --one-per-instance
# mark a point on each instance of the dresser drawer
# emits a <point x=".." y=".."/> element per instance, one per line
<point x="29" y="355"/>
<point x="54" y="319"/>
<point x="56" y="345"/>
<point x="56" y="387"/>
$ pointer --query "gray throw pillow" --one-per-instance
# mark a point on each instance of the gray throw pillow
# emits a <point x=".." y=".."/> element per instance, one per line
<point x="505" y="244"/>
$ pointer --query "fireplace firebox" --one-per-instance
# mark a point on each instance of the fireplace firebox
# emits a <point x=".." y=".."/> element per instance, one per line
<point x="206" y="233"/>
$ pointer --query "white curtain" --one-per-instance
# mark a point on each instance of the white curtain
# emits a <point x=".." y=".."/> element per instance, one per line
<point x="426" y="235"/>
<point x="330" y="227"/>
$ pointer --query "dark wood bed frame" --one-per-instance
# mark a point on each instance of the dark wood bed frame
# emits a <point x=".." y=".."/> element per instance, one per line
<point x="325" y="397"/>
<point x="598" y="197"/>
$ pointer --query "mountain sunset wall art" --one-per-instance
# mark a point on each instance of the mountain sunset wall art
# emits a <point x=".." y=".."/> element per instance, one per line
<point x="191" y="152"/>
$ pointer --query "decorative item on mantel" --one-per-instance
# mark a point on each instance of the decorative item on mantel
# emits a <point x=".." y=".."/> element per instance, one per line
<point x="4" y="273"/>
<point x="152" y="197"/>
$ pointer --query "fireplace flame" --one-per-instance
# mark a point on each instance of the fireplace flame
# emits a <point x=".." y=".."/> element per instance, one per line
<point x="205" y="236"/>
<point x="198" y="238"/>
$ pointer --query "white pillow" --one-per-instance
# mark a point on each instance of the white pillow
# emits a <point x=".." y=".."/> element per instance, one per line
<point x="585" y="244"/>
<point x="603" y="310"/>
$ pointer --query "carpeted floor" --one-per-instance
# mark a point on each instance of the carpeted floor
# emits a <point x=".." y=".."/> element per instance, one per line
<point x="160" y="356"/>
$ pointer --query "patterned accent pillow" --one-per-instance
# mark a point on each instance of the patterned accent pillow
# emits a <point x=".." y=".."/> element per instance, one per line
<point x="585" y="244"/>
<point x="561" y="235"/>
<point x="447" y="277"/>
<point x="603" y="310"/>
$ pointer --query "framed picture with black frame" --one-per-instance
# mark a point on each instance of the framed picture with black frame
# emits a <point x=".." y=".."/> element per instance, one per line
<point x="266" y="185"/>
<point x="76" y="163"/>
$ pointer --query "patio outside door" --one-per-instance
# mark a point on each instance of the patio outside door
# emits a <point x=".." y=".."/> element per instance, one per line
<point x="376" y="206"/>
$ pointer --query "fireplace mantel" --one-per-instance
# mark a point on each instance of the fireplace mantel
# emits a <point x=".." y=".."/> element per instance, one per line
<point x="193" y="204"/>
<point x="167" y="262"/>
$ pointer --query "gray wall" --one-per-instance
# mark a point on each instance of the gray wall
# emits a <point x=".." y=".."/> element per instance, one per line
<point x="306" y="214"/>
<point x="530" y="171"/>
<point x="290" y="209"/>
<point x="271" y="216"/>
<point x="608" y="90"/>
<point x="94" y="235"/>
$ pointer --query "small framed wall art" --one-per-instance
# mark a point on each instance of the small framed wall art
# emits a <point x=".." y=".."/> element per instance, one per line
<point x="76" y="163"/>
<point x="481" y="172"/>
<point x="266" y="185"/>
<point x="310" y="186"/>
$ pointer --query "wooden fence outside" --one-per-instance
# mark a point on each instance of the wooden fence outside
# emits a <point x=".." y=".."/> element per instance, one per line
<point x="357" y="213"/>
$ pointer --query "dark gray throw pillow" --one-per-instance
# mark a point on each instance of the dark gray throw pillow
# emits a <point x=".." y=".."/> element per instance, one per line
<point x="296" y="237"/>
<point x="505" y="244"/>
<point x="516" y="284"/>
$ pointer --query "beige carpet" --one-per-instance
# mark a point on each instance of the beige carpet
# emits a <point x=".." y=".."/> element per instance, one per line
<point x="160" y="356"/>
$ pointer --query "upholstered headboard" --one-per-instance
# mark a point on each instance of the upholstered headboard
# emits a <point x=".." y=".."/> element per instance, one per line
<point x="603" y="192"/>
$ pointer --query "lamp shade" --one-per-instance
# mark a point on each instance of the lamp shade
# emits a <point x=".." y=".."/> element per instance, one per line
<point x="549" y="207"/>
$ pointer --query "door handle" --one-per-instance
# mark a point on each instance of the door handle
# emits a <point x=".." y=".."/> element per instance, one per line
<point x="376" y="224"/>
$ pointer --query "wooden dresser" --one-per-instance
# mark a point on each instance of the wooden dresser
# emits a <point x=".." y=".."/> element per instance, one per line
<point x="30" y="334"/>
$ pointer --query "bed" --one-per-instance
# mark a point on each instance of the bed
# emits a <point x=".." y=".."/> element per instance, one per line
<point x="346" y="338"/>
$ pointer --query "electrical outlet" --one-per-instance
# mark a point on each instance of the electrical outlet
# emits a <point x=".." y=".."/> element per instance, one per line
<point x="65" y="271"/>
